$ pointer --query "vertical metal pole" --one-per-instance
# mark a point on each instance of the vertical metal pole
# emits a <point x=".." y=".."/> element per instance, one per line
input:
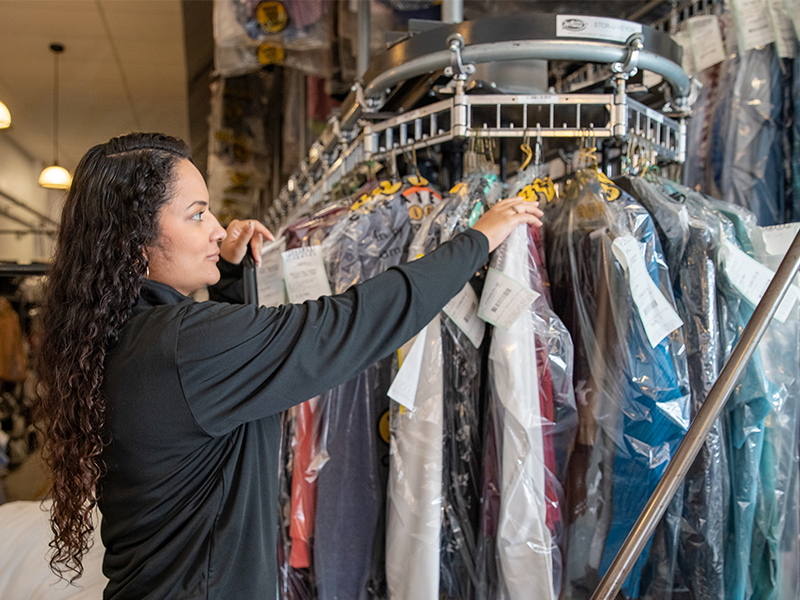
<point x="362" y="58"/>
<point x="698" y="432"/>
<point x="452" y="11"/>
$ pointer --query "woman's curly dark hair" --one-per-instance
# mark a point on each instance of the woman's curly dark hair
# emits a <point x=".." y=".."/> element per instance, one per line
<point x="109" y="218"/>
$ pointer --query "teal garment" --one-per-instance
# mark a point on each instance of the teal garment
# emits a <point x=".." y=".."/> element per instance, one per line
<point x="744" y="416"/>
<point x="777" y="494"/>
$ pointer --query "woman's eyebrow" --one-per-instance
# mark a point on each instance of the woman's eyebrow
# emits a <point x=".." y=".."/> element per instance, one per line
<point x="201" y="203"/>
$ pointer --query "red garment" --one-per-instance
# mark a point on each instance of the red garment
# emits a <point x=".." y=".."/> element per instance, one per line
<point x="304" y="488"/>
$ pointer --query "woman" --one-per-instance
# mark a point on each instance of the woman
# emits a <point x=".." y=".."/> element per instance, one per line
<point x="164" y="411"/>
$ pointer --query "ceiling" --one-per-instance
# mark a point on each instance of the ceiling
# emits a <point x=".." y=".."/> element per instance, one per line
<point x="123" y="69"/>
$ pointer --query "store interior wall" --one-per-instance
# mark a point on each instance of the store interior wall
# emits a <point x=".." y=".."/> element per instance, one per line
<point x="19" y="173"/>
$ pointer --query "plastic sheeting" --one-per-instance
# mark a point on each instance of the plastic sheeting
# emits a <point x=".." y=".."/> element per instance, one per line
<point x="531" y="379"/>
<point x="435" y="479"/>
<point x="690" y="239"/>
<point x="633" y="397"/>
<point x="747" y="150"/>
<point x="295" y="33"/>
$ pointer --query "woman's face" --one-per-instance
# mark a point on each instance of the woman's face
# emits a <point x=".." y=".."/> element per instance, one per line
<point x="186" y="253"/>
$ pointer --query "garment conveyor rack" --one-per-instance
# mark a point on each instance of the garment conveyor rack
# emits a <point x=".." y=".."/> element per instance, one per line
<point x="350" y="139"/>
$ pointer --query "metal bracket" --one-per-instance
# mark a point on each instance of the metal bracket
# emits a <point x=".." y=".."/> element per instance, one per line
<point x="682" y="106"/>
<point x="368" y="105"/>
<point x="457" y="68"/>
<point x="630" y="64"/>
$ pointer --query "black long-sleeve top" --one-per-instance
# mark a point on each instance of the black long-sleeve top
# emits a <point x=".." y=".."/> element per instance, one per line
<point x="194" y="392"/>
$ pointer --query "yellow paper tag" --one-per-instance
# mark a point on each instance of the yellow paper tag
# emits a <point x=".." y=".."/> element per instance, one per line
<point x="387" y="187"/>
<point x="414" y="180"/>
<point x="610" y="191"/>
<point x="272" y="16"/>
<point x="541" y="190"/>
<point x="360" y="202"/>
<point x="383" y="426"/>
<point x="458" y="187"/>
<point x="270" y="55"/>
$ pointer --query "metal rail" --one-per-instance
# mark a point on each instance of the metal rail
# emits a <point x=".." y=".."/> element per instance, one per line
<point x="698" y="432"/>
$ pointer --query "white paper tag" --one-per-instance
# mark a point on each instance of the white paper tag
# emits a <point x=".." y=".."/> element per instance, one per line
<point x="269" y="276"/>
<point x="783" y="27"/>
<point x="778" y="238"/>
<point x="304" y="273"/>
<point x="751" y="279"/>
<point x="706" y="41"/>
<point x="463" y="311"/>
<point x="503" y="299"/>
<point x="754" y="24"/>
<point x="657" y="314"/>
<point x="599" y="28"/>
<point x="684" y="41"/>
<point x="404" y="387"/>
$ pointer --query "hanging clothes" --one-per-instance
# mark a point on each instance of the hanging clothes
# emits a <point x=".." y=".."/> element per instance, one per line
<point x="435" y="460"/>
<point x="634" y="392"/>
<point x="13" y="362"/>
<point x="776" y="469"/>
<point x="690" y="248"/>
<point x="747" y="152"/>
<point x="746" y="410"/>
<point x="530" y="370"/>
<point x="350" y="528"/>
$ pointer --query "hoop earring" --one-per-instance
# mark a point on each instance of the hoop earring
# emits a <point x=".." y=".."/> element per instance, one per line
<point x="147" y="273"/>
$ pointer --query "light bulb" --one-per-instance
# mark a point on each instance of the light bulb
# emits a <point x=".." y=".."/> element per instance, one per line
<point x="5" y="116"/>
<point x="55" y="177"/>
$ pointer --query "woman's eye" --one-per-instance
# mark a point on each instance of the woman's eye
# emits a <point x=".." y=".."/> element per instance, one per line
<point x="198" y="216"/>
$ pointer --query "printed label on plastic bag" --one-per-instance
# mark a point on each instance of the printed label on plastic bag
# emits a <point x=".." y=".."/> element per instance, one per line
<point x="657" y="314"/>
<point x="503" y="299"/>
<point x="755" y="28"/>
<point x="404" y="387"/>
<point x="751" y="279"/>
<point x="269" y="276"/>
<point x="599" y="28"/>
<point x="706" y="41"/>
<point x="304" y="272"/>
<point x="463" y="311"/>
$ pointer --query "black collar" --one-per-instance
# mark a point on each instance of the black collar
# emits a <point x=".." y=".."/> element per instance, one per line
<point x="155" y="293"/>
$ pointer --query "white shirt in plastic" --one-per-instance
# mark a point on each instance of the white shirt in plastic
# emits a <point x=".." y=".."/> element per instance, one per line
<point x="415" y="483"/>
<point x="524" y="543"/>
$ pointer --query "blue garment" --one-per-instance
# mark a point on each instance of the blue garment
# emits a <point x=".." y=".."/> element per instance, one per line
<point x="690" y="246"/>
<point x="637" y="396"/>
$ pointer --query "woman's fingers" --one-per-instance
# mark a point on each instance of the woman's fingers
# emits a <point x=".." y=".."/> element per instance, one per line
<point x="241" y="235"/>
<point x="500" y="220"/>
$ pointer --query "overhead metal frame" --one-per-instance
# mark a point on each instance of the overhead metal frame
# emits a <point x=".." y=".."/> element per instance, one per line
<point x="455" y="48"/>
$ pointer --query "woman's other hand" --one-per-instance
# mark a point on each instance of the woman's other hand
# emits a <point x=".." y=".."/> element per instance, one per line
<point x="500" y="220"/>
<point x="240" y="235"/>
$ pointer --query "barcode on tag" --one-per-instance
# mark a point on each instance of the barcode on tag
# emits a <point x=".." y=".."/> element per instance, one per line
<point x="503" y="299"/>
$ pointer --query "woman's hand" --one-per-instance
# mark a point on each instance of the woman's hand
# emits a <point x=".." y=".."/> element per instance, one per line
<point x="503" y="217"/>
<point x="240" y="234"/>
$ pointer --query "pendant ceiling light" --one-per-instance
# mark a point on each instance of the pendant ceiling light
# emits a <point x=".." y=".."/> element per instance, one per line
<point x="5" y="116"/>
<point x="55" y="177"/>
